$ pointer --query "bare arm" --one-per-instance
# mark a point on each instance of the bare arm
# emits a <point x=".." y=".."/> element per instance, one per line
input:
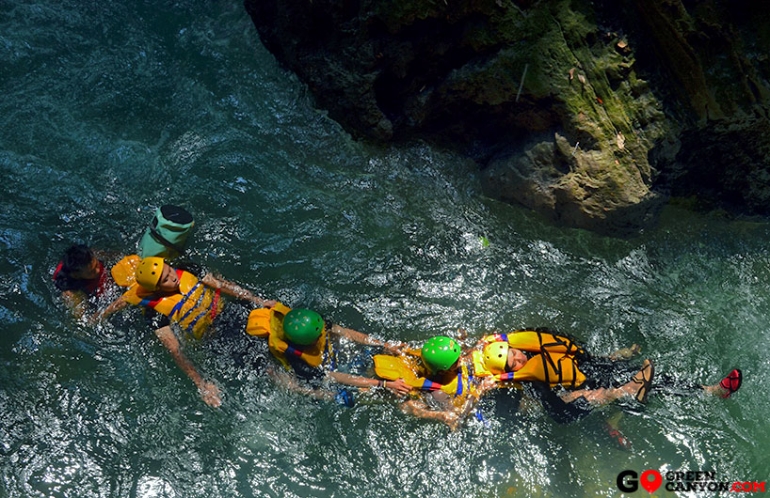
<point x="113" y="307"/>
<point x="451" y="415"/>
<point x="234" y="290"/>
<point x="397" y="386"/>
<point x="283" y="378"/>
<point x="419" y="409"/>
<point x="75" y="300"/>
<point x="208" y="390"/>
<point x="367" y="340"/>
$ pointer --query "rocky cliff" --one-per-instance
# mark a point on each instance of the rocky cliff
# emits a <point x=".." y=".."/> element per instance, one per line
<point x="591" y="113"/>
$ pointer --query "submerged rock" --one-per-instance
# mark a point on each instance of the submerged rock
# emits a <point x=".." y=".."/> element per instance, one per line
<point x="588" y="112"/>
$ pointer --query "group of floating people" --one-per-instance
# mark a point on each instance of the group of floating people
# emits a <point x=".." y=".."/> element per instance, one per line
<point x="441" y="380"/>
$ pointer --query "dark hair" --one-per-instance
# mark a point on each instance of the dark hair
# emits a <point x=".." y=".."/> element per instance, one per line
<point x="77" y="257"/>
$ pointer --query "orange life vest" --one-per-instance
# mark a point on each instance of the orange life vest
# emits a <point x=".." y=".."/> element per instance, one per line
<point x="268" y="322"/>
<point x="193" y="307"/>
<point x="409" y="369"/>
<point x="554" y="361"/>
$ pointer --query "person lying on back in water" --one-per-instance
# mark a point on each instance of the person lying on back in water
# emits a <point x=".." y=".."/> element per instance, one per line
<point x="82" y="276"/>
<point x="178" y="297"/>
<point x="568" y="382"/>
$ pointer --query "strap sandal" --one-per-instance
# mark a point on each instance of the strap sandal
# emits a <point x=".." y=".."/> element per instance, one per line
<point x="644" y="377"/>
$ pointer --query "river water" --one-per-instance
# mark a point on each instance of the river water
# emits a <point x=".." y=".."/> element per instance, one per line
<point x="110" y="110"/>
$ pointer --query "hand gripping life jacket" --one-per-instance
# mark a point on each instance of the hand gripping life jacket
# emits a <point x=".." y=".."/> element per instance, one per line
<point x="193" y="308"/>
<point x="268" y="322"/>
<point x="555" y="361"/>
<point x="410" y="369"/>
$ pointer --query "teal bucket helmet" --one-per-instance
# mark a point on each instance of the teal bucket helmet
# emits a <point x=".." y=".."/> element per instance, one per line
<point x="167" y="234"/>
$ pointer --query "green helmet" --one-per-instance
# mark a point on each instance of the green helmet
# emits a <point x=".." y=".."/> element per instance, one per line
<point x="303" y="327"/>
<point x="440" y="352"/>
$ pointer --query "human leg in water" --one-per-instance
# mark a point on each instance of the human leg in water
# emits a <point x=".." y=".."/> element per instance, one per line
<point x="638" y="387"/>
<point x="724" y="388"/>
<point x="625" y="353"/>
<point x="570" y="406"/>
<point x="612" y="429"/>
<point x="641" y="384"/>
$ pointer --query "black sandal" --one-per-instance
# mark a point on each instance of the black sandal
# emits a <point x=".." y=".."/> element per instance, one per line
<point x="646" y="382"/>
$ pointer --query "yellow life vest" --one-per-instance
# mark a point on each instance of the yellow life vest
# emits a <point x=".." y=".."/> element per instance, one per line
<point x="268" y="322"/>
<point x="263" y="321"/>
<point x="537" y="341"/>
<point x="124" y="271"/>
<point x="410" y="369"/>
<point x="193" y="308"/>
<point x="554" y="362"/>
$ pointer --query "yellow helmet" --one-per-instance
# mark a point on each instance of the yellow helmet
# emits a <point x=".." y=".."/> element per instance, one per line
<point x="496" y="357"/>
<point x="148" y="272"/>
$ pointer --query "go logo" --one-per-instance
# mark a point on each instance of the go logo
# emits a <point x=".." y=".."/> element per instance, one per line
<point x="629" y="481"/>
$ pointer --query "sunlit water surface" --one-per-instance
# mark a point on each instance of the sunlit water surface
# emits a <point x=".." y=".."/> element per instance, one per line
<point x="110" y="110"/>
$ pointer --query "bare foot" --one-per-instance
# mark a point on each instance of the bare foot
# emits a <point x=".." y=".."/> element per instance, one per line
<point x="625" y="353"/>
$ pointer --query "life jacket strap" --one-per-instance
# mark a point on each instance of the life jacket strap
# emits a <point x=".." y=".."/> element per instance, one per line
<point x="215" y="304"/>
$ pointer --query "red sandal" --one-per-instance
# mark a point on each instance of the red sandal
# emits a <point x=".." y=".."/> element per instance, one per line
<point x="731" y="383"/>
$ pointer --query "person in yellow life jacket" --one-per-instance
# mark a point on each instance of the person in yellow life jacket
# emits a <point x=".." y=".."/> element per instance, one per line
<point x="570" y="382"/>
<point x="308" y="347"/>
<point x="442" y="373"/>
<point x="549" y="362"/>
<point x="178" y="297"/>
<point x="531" y="355"/>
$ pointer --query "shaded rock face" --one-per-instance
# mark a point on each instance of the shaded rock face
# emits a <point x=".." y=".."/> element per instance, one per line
<point x="583" y="111"/>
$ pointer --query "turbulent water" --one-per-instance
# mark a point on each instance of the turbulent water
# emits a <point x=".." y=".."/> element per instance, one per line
<point x="110" y="110"/>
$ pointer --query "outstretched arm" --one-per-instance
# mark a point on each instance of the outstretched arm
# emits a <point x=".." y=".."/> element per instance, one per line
<point x="367" y="340"/>
<point x="75" y="301"/>
<point x="451" y="415"/>
<point x="208" y="390"/>
<point x="419" y="409"/>
<point x="113" y="307"/>
<point x="285" y="379"/>
<point x="235" y="290"/>
<point x="397" y="386"/>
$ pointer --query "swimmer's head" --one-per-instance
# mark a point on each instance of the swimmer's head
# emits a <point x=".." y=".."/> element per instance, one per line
<point x="496" y="357"/>
<point x="79" y="263"/>
<point x="440" y="353"/>
<point x="303" y="327"/>
<point x="148" y="273"/>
